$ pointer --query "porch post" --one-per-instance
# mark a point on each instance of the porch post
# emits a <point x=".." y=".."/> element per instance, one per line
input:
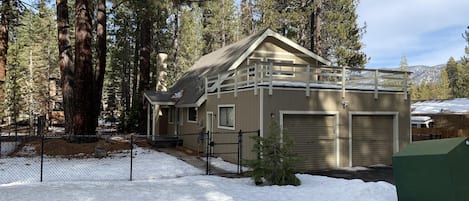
<point x="148" y="120"/>
<point x="155" y="121"/>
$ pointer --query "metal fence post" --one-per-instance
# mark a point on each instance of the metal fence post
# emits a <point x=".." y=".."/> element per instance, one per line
<point x="0" y="145"/>
<point x="207" y="171"/>
<point x="131" y="155"/>
<point x="42" y="155"/>
<point x="240" y="152"/>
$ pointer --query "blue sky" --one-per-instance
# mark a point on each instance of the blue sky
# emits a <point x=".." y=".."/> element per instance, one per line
<point x="427" y="32"/>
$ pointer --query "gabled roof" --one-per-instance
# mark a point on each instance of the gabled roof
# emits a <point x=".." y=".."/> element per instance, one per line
<point x="224" y="59"/>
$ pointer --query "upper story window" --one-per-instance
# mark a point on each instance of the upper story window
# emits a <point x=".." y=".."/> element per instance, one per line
<point x="282" y="70"/>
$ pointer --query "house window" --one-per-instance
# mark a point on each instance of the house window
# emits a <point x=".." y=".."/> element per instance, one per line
<point x="226" y="116"/>
<point x="286" y="71"/>
<point x="171" y="115"/>
<point x="192" y="114"/>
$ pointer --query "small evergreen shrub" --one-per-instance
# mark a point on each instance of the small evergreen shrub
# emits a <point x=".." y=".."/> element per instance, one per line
<point x="274" y="165"/>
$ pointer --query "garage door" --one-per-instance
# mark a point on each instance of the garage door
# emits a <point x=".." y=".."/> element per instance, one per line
<point x="372" y="139"/>
<point x="314" y="140"/>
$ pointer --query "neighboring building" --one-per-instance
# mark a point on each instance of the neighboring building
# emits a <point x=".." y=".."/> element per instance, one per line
<point x="450" y="117"/>
<point x="336" y="116"/>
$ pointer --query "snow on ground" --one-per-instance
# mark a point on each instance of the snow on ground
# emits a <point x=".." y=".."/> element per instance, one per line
<point x="159" y="176"/>
<point x="458" y="105"/>
<point x="221" y="164"/>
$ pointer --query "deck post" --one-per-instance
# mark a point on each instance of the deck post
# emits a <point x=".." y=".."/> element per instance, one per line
<point x="270" y="78"/>
<point x="308" y="80"/>
<point x="376" y="84"/>
<point x="218" y="86"/>
<point x="255" y="78"/>
<point x="236" y="83"/>
<point x="343" y="81"/>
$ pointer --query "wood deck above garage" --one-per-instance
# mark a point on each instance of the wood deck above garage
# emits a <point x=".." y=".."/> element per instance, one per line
<point x="271" y="75"/>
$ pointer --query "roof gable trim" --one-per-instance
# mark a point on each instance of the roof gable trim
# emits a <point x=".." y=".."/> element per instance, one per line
<point x="289" y="42"/>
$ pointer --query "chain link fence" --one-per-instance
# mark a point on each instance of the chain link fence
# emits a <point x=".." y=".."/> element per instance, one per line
<point x="49" y="158"/>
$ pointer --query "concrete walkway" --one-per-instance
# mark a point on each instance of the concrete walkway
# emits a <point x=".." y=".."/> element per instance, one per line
<point x="199" y="162"/>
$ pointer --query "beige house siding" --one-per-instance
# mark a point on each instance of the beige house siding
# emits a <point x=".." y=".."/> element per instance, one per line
<point x="246" y="119"/>
<point x="189" y="130"/>
<point x="324" y="100"/>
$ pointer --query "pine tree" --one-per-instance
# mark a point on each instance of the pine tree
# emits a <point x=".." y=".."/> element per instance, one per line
<point x="444" y="91"/>
<point x="246" y="21"/>
<point x="4" y="39"/>
<point x="275" y="162"/>
<point x="219" y="24"/>
<point x="452" y="72"/>
<point x="328" y="27"/>
<point x="191" y="36"/>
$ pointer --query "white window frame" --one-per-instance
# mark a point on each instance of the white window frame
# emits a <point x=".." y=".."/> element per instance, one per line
<point x="234" y="117"/>
<point x="196" y="115"/>
<point x="280" y="60"/>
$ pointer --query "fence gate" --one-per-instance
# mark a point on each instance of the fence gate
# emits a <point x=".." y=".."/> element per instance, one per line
<point x="226" y="144"/>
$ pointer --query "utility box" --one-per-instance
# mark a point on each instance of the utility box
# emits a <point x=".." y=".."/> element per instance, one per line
<point x="433" y="170"/>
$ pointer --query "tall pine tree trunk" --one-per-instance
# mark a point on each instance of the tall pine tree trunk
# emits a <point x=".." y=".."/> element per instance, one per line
<point x="65" y="62"/>
<point x="83" y="93"/>
<point x="145" y="53"/>
<point x="316" y="28"/>
<point x="4" y="42"/>
<point x="101" y="54"/>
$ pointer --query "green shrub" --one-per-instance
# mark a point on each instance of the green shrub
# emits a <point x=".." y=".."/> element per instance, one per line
<point x="274" y="165"/>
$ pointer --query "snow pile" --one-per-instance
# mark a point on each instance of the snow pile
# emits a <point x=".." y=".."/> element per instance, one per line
<point x="163" y="177"/>
<point x="458" y="105"/>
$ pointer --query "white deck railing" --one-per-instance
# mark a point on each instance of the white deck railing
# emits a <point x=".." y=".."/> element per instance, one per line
<point x="273" y="75"/>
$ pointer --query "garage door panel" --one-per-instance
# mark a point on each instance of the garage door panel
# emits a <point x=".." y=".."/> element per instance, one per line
<point x="372" y="139"/>
<point x="314" y="139"/>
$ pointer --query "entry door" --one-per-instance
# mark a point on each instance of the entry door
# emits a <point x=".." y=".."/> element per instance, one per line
<point x="163" y="121"/>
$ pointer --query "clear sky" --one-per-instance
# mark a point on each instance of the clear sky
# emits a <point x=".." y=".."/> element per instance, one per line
<point x="427" y="32"/>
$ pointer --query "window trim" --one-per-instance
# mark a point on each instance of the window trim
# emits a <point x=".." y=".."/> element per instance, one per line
<point x="234" y="116"/>
<point x="196" y="115"/>
<point x="284" y="60"/>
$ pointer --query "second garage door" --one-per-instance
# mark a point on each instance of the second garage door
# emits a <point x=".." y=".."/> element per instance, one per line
<point x="372" y="139"/>
<point x="314" y="139"/>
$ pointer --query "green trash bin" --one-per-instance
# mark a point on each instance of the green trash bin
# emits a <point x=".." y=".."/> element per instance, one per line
<point x="433" y="170"/>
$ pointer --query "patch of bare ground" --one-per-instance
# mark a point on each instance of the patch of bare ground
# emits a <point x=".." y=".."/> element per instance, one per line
<point x="60" y="147"/>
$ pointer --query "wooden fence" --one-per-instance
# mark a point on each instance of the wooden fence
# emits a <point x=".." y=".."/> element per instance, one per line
<point x="419" y="134"/>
